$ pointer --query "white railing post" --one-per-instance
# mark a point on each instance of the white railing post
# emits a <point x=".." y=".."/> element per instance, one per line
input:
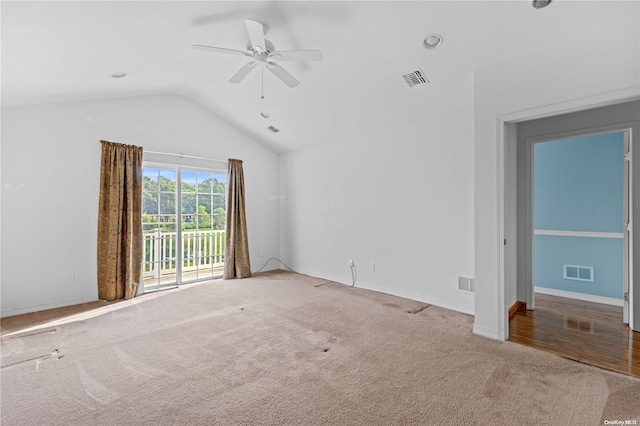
<point x="156" y="252"/>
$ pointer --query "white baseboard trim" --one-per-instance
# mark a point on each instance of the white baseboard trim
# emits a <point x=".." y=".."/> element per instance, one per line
<point x="392" y="292"/>
<point x="486" y="332"/>
<point x="43" y="307"/>
<point x="430" y="301"/>
<point x="580" y="296"/>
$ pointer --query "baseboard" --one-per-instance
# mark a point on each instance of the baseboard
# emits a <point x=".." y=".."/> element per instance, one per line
<point x="406" y="295"/>
<point x="580" y="296"/>
<point x="45" y="306"/>
<point x="517" y="307"/>
<point x="393" y="292"/>
<point x="486" y="332"/>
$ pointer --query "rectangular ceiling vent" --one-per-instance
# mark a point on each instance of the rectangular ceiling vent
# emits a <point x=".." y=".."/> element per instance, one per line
<point x="273" y="129"/>
<point x="416" y="77"/>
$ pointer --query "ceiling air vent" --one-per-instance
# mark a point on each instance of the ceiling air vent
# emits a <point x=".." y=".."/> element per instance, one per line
<point x="415" y="77"/>
<point x="273" y="129"/>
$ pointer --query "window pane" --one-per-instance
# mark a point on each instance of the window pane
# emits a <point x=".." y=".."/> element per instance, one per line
<point x="149" y="222"/>
<point x="149" y="202"/>
<point x="168" y="225"/>
<point x="167" y="203"/>
<point x="188" y="203"/>
<point x="218" y="201"/>
<point x="219" y="183"/>
<point x="188" y="222"/>
<point x="204" y="182"/>
<point x="204" y="222"/>
<point x="218" y="219"/>
<point x="170" y="175"/>
<point x="167" y="181"/>
<point x="149" y="176"/>
<point x="204" y="204"/>
<point x="149" y="190"/>
<point x="188" y="181"/>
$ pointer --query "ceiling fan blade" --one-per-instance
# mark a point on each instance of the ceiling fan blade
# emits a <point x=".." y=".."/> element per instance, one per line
<point x="242" y="72"/>
<point x="282" y="74"/>
<point x="220" y="50"/>
<point x="296" y="55"/>
<point x="256" y="34"/>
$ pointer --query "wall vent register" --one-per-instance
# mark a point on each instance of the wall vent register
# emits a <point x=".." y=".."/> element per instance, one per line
<point x="466" y="284"/>
<point x="578" y="273"/>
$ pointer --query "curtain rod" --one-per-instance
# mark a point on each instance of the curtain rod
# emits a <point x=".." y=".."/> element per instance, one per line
<point x="185" y="156"/>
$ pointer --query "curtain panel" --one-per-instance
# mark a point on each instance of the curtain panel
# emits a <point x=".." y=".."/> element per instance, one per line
<point x="236" y="254"/>
<point x="120" y="221"/>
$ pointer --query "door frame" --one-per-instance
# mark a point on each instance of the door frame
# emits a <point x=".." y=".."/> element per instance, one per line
<point x="626" y="130"/>
<point x="506" y="140"/>
<point x="179" y="168"/>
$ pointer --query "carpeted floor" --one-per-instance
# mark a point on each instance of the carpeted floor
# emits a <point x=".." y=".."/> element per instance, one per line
<point x="288" y="349"/>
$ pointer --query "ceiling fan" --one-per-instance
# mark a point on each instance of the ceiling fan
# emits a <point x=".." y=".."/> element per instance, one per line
<point x="263" y="51"/>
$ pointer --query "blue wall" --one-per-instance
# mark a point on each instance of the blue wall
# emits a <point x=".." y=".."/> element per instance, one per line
<point x="578" y="186"/>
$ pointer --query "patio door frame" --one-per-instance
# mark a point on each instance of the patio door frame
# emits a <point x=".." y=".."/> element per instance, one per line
<point x="178" y="168"/>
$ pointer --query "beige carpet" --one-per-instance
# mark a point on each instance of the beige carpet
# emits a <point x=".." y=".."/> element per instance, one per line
<point x="287" y="349"/>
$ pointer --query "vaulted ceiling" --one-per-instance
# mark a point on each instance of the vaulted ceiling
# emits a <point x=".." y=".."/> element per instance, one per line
<point x="67" y="51"/>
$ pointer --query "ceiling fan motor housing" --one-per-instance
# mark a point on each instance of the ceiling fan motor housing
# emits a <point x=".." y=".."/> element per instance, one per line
<point x="270" y="48"/>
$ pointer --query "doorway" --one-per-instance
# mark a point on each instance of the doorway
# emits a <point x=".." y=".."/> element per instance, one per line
<point x="516" y="285"/>
<point x="183" y="214"/>
<point x="580" y="210"/>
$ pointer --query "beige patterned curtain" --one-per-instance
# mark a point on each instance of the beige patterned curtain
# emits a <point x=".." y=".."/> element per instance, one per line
<point x="236" y="252"/>
<point x="120" y="221"/>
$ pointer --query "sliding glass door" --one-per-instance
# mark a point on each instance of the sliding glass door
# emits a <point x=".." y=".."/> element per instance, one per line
<point x="183" y="225"/>
<point x="203" y="223"/>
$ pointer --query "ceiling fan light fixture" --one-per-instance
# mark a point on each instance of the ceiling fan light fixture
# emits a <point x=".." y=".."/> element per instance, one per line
<point x="433" y="41"/>
<point x="261" y="50"/>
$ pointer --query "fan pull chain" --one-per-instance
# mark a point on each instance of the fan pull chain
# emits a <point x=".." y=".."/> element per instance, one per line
<point x="262" y="93"/>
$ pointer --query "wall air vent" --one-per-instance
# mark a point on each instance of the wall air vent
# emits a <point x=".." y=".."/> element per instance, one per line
<point x="578" y="273"/>
<point x="416" y="77"/>
<point x="466" y="284"/>
<point x="273" y="129"/>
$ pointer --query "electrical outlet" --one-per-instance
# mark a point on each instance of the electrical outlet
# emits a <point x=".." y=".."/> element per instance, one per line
<point x="372" y="266"/>
<point x="74" y="276"/>
<point x="351" y="264"/>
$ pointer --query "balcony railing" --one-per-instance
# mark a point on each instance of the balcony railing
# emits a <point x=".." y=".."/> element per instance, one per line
<point x="202" y="256"/>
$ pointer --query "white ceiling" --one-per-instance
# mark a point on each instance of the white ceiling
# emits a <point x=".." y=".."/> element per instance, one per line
<point x="66" y="51"/>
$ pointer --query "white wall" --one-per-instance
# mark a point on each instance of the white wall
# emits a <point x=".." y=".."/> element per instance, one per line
<point x="400" y="197"/>
<point x="528" y="88"/>
<point x="50" y="175"/>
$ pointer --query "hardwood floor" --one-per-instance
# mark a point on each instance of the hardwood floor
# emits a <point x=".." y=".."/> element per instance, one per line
<point x="587" y="332"/>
